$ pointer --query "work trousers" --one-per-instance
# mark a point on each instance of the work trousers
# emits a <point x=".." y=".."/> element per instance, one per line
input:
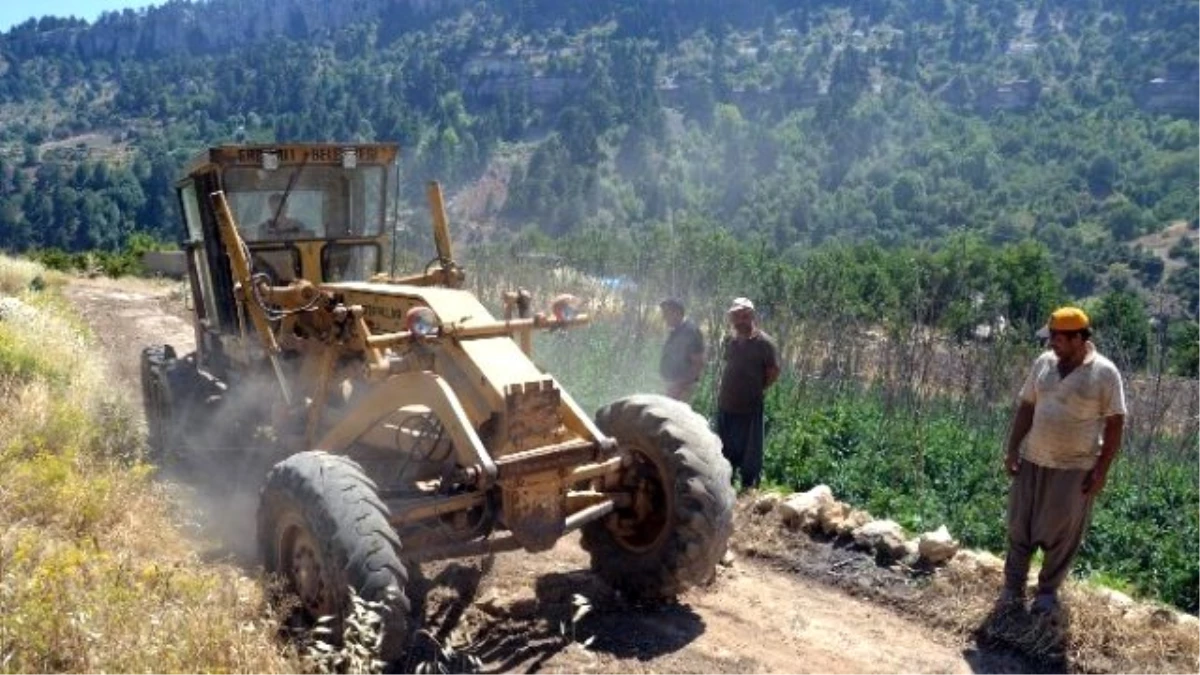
<point x="1046" y="509"/>
<point x="742" y="442"/>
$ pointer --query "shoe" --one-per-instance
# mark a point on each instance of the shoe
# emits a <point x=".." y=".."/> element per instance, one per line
<point x="1045" y="604"/>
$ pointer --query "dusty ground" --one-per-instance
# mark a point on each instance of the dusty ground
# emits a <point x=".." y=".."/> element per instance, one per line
<point x="764" y="613"/>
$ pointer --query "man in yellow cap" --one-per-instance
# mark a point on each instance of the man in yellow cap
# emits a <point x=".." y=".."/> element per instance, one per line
<point x="1070" y="416"/>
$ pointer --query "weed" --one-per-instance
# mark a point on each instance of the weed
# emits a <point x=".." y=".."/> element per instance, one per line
<point x="357" y="650"/>
<point x="570" y="630"/>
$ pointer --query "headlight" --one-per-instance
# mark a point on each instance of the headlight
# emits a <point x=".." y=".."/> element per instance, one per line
<point x="565" y="307"/>
<point x="422" y="321"/>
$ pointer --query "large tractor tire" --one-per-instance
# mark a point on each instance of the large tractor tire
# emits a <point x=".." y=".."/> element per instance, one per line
<point x="678" y="527"/>
<point x="159" y="401"/>
<point x="174" y="395"/>
<point x="323" y="529"/>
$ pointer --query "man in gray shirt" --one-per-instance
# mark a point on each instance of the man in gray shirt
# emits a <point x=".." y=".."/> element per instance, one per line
<point x="751" y="367"/>
<point x="682" y="358"/>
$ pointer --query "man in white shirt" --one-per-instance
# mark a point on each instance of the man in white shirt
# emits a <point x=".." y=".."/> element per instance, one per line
<point x="1071" y="417"/>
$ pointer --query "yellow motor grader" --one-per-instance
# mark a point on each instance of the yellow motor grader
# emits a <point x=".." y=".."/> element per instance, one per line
<point x="404" y="421"/>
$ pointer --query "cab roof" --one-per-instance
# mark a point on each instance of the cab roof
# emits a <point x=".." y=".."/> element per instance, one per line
<point x="291" y="154"/>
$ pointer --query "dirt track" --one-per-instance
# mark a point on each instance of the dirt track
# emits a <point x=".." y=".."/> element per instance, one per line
<point x="510" y="610"/>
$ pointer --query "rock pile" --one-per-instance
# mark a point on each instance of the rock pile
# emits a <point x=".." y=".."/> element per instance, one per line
<point x="818" y="512"/>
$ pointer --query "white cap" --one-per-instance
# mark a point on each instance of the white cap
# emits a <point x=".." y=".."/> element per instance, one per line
<point x="740" y="304"/>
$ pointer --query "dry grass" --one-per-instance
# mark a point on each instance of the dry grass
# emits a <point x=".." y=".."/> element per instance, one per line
<point x="1092" y="635"/>
<point x="93" y="574"/>
<point x="17" y="276"/>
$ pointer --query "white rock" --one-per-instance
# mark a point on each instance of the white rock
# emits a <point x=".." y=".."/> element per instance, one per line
<point x="912" y="548"/>
<point x="989" y="563"/>
<point x="855" y="520"/>
<point x="833" y="516"/>
<point x="978" y="563"/>
<point x="767" y="502"/>
<point x="882" y="536"/>
<point x="1115" y="598"/>
<point x="938" y="546"/>
<point x="821" y="492"/>
<point x="801" y="509"/>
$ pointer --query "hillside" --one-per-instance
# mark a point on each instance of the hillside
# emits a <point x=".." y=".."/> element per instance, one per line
<point x="1069" y="123"/>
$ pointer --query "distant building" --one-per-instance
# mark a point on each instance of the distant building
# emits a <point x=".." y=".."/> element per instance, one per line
<point x="1176" y="94"/>
<point x="1014" y="95"/>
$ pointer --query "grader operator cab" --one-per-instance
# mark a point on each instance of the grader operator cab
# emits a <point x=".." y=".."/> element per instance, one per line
<point x="402" y="422"/>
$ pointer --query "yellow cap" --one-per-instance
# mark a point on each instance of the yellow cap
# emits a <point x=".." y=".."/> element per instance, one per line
<point x="1068" y="318"/>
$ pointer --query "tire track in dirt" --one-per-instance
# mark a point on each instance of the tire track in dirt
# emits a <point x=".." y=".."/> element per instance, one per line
<point x="511" y="610"/>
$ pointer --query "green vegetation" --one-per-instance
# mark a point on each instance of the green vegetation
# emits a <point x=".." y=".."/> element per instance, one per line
<point x="122" y="262"/>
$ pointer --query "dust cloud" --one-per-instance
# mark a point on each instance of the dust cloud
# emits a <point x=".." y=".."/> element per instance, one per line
<point x="220" y="462"/>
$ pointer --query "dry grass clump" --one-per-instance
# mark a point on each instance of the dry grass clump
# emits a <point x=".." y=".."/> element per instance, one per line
<point x="18" y="275"/>
<point x="93" y="574"/>
<point x="1092" y="634"/>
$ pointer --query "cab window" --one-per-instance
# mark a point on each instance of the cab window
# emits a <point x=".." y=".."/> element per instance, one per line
<point x="349" y="262"/>
<point x="306" y="202"/>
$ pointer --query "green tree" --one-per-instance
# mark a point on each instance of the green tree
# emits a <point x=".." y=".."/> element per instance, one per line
<point x="1102" y="174"/>
<point x="1184" y="348"/>
<point x="1122" y="328"/>
<point x="1026" y="275"/>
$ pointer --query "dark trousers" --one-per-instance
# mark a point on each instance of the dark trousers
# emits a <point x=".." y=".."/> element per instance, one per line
<point x="1046" y="509"/>
<point x="742" y="443"/>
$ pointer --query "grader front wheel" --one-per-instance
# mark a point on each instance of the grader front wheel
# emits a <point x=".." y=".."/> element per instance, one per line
<point x="323" y="530"/>
<point x="680" y="517"/>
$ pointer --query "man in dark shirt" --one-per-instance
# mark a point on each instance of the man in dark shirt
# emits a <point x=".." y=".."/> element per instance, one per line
<point x="751" y="367"/>
<point x="682" y="358"/>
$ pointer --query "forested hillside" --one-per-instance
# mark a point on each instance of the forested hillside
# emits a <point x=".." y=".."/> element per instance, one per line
<point x="791" y="125"/>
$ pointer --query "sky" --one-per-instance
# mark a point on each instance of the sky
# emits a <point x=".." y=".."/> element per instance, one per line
<point x="13" y="12"/>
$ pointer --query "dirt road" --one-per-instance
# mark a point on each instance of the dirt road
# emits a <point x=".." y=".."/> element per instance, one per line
<point x="513" y="611"/>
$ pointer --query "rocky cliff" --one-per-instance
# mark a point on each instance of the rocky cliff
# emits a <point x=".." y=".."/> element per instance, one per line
<point x="205" y="26"/>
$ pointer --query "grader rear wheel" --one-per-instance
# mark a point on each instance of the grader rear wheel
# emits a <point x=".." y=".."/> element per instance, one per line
<point x="323" y="529"/>
<point x="678" y="525"/>
<point x="158" y="400"/>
